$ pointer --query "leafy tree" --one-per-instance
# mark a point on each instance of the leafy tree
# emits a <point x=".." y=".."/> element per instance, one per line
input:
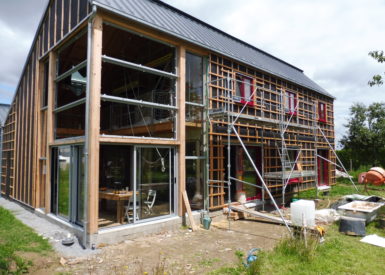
<point x="365" y="140"/>
<point x="380" y="58"/>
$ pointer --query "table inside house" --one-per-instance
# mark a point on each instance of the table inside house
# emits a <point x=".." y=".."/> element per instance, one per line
<point x="120" y="198"/>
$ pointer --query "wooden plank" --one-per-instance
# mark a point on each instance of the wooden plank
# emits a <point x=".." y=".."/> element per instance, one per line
<point x="258" y="214"/>
<point x="188" y="208"/>
<point x="94" y="124"/>
<point x="59" y="142"/>
<point x="181" y="135"/>
<point x="39" y="126"/>
<point x="50" y="126"/>
<point x="129" y="140"/>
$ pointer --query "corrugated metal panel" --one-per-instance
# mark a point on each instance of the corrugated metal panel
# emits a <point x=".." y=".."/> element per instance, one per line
<point x="3" y="113"/>
<point x="170" y="20"/>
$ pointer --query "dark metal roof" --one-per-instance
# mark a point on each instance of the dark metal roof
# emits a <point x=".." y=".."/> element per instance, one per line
<point x="3" y="113"/>
<point x="166" y="18"/>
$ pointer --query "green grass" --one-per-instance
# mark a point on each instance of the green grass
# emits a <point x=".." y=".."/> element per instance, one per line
<point x="345" y="187"/>
<point x="339" y="254"/>
<point x="16" y="238"/>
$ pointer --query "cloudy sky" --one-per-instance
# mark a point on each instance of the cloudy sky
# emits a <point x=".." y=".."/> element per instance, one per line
<point x="328" y="39"/>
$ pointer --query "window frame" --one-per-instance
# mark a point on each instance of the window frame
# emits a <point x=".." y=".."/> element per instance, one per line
<point x="291" y="108"/>
<point x="240" y="80"/>
<point x="322" y="112"/>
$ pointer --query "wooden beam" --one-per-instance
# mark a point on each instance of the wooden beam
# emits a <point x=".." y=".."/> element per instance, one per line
<point x="50" y="126"/>
<point x="129" y="140"/>
<point x="181" y="135"/>
<point x="36" y="137"/>
<point x="188" y="208"/>
<point x="158" y="35"/>
<point x="61" y="142"/>
<point x="94" y="124"/>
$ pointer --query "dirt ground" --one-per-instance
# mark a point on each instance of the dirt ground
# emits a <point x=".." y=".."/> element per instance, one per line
<point x="177" y="252"/>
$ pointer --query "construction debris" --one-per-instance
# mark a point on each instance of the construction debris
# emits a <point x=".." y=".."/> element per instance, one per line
<point x="241" y="209"/>
<point x="374" y="240"/>
<point x="326" y="216"/>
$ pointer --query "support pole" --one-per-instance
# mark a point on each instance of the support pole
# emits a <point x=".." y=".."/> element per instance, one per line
<point x="228" y="152"/>
<point x="342" y="165"/>
<point x="263" y="182"/>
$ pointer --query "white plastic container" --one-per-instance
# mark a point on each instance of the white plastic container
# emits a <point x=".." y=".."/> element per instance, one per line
<point x="303" y="210"/>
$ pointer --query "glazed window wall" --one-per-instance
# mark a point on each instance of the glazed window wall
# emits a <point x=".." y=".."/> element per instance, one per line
<point x="195" y="158"/>
<point x="138" y="86"/>
<point x="71" y="84"/>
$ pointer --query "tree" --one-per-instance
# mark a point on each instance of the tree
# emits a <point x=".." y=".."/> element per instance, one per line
<point x="365" y="139"/>
<point x="380" y="58"/>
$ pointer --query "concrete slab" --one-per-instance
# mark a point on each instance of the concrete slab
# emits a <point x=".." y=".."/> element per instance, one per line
<point x="53" y="232"/>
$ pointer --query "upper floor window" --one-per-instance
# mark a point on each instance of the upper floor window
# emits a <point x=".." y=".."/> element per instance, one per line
<point x="291" y="103"/>
<point x="321" y="112"/>
<point x="194" y="78"/>
<point x="244" y="89"/>
<point x="44" y="94"/>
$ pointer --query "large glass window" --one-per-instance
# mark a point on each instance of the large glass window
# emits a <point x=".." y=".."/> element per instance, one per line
<point x="72" y="87"/>
<point x="70" y="122"/>
<point x="138" y="86"/>
<point x="155" y="182"/>
<point x="136" y="183"/>
<point x="72" y="53"/>
<point x="136" y="120"/>
<point x="128" y="46"/>
<point x="128" y="83"/>
<point x="195" y="159"/>
<point x="194" y="78"/>
<point x="71" y="83"/>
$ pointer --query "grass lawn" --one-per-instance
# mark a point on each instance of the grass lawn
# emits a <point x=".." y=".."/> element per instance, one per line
<point x="339" y="254"/>
<point x="17" y="240"/>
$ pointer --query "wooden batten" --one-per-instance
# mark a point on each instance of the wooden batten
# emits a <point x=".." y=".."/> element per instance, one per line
<point x="94" y="123"/>
<point x="50" y="126"/>
<point x="39" y="139"/>
<point x="181" y="128"/>
<point x="129" y="140"/>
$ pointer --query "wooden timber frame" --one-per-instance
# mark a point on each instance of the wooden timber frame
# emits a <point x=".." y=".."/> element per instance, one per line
<point x="29" y="131"/>
<point x="261" y="126"/>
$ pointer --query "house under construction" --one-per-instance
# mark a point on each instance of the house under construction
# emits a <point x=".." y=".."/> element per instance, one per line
<point x="123" y="106"/>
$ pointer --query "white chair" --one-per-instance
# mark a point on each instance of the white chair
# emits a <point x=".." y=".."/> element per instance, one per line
<point x="149" y="202"/>
<point x="129" y="210"/>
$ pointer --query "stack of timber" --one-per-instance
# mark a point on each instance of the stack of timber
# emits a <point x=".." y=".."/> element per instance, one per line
<point x="243" y="212"/>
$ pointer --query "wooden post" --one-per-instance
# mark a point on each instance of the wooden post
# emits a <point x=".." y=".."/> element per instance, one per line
<point x="94" y="124"/>
<point x="50" y="128"/>
<point x="181" y="129"/>
<point x="36" y="139"/>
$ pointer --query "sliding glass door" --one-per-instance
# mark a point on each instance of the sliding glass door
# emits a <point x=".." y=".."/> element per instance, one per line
<point x="155" y="182"/>
<point x="68" y="183"/>
<point x="63" y="181"/>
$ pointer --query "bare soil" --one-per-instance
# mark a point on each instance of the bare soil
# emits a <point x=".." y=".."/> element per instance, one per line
<point x="177" y="252"/>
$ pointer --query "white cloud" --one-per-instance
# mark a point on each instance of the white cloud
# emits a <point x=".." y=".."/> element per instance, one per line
<point x="328" y="39"/>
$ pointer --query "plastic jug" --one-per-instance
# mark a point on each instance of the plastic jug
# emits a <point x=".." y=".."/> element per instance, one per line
<point x="303" y="210"/>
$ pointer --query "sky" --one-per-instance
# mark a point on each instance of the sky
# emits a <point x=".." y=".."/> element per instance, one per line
<point x="328" y="39"/>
